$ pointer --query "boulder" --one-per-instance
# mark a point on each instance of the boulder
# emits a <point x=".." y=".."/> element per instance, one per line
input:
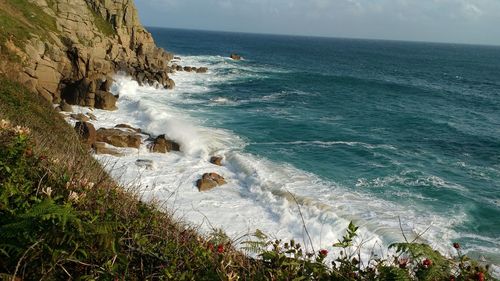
<point x="202" y="70"/>
<point x="163" y="145"/>
<point x="103" y="148"/>
<point x="87" y="132"/>
<point x="179" y="68"/>
<point x="209" y="181"/>
<point x="188" y="68"/>
<point x="119" y="138"/>
<point x="80" y="117"/>
<point x="235" y="56"/>
<point x="105" y="100"/>
<point x="216" y="160"/>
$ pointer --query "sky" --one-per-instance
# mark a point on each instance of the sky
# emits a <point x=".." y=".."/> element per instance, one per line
<point x="455" y="21"/>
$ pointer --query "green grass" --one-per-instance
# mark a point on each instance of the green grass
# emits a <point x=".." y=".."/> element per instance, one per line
<point x="102" y="25"/>
<point x="20" y="21"/>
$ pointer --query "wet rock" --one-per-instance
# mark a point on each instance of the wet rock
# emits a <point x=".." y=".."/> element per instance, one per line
<point x="216" y="160"/>
<point x="188" y="68"/>
<point x="209" y="181"/>
<point x="119" y="138"/>
<point x="235" y="56"/>
<point x="103" y="148"/>
<point x="87" y="132"/>
<point x="202" y="70"/>
<point x="164" y="145"/>
<point x="126" y="126"/>
<point x="169" y="84"/>
<point x="105" y="100"/>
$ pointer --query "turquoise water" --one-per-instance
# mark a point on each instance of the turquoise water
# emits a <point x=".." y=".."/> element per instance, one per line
<point x="417" y="124"/>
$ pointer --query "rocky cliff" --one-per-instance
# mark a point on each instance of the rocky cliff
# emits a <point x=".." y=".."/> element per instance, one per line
<point x="70" y="49"/>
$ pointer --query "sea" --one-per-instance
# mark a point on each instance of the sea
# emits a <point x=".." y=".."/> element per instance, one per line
<point x="401" y="138"/>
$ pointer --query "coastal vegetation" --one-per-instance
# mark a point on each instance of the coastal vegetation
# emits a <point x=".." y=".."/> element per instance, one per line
<point x="62" y="217"/>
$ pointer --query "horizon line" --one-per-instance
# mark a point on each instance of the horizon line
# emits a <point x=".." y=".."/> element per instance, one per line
<point x="328" y="37"/>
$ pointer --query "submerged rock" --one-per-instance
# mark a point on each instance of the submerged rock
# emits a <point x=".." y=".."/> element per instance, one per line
<point x="119" y="138"/>
<point x="145" y="163"/>
<point x="164" y="145"/>
<point x="209" y="181"/>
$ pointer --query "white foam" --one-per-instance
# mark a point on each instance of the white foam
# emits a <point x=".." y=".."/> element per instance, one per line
<point x="258" y="193"/>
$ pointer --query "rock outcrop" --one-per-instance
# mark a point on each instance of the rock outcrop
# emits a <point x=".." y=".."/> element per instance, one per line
<point x="89" y="42"/>
<point x="209" y="181"/>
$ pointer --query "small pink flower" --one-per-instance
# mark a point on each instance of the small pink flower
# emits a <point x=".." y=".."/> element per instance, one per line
<point x="456" y="246"/>
<point x="323" y="252"/>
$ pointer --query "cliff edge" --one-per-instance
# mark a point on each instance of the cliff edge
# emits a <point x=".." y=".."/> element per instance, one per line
<point x="70" y="49"/>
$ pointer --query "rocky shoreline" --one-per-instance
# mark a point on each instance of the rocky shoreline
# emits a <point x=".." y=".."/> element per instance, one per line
<point x="72" y="57"/>
<point x="108" y="141"/>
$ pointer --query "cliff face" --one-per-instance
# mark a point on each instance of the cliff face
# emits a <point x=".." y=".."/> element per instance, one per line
<point x="79" y="46"/>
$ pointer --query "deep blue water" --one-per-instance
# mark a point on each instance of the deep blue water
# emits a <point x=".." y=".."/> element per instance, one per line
<point x="381" y="117"/>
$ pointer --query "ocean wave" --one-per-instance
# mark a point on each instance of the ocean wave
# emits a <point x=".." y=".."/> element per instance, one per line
<point x="329" y="144"/>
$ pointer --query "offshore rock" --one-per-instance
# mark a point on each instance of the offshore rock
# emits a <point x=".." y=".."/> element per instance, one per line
<point x="235" y="56"/>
